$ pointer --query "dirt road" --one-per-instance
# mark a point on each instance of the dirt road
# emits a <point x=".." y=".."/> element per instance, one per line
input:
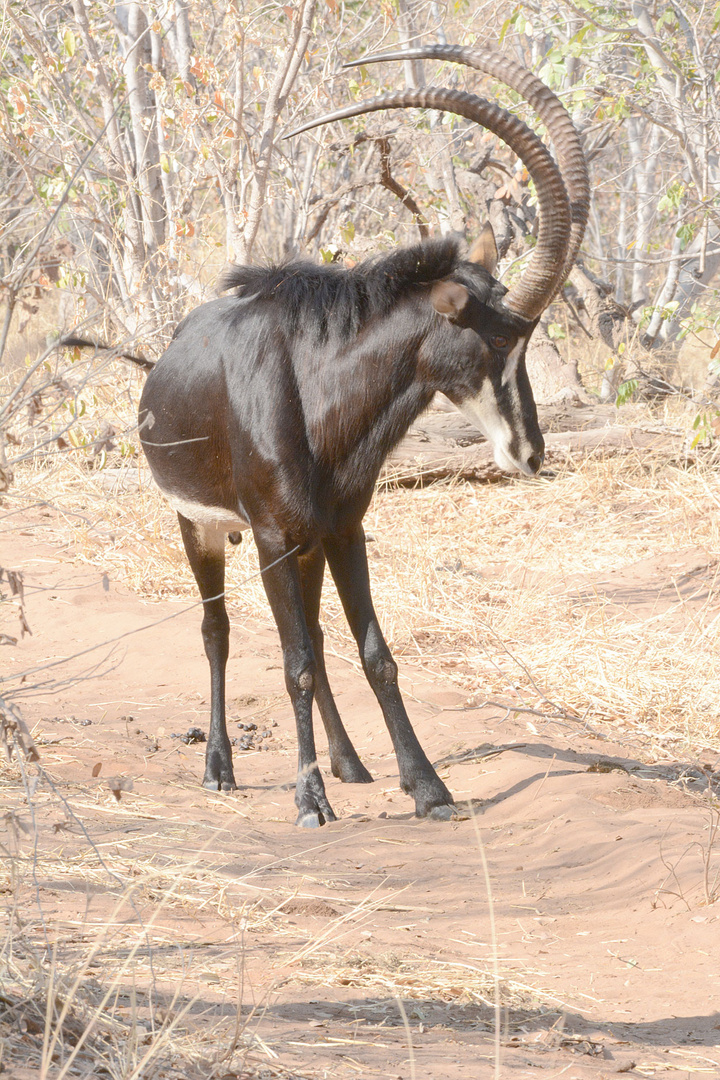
<point x="367" y="948"/>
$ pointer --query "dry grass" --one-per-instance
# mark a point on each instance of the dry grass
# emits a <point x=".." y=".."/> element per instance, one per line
<point x="419" y="979"/>
<point x="124" y="998"/>
<point x="490" y="586"/>
<point x="92" y="1017"/>
<point x="148" y="978"/>
<point x="104" y="966"/>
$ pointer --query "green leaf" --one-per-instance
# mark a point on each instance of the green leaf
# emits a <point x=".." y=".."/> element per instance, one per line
<point x="69" y="43"/>
<point x="582" y="32"/>
<point x="686" y="233"/>
<point x="509" y="22"/>
<point x="505" y="27"/>
<point x="673" y="197"/>
<point x="625" y="391"/>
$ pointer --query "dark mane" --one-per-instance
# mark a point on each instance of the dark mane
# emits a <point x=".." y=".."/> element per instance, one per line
<point x="338" y="299"/>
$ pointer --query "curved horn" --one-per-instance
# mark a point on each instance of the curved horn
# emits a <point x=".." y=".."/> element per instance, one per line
<point x="561" y="129"/>
<point x="544" y="274"/>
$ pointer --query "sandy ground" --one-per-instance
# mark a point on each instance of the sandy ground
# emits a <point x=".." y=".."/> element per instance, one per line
<point x="366" y="948"/>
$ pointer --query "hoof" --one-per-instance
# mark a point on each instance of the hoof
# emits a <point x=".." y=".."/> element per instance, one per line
<point x="219" y="785"/>
<point x="352" y="772"/>
<point x="314" y="809"/>
<point x="432" y="798"/>
<point x="313" y="819"/>
<point x="443" y="813"/>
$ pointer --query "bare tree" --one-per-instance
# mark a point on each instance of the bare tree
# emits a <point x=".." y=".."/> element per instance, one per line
<point x="163" y="127"/>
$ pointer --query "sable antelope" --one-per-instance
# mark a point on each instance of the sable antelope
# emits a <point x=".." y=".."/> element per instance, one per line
<point x="274" y="408"/>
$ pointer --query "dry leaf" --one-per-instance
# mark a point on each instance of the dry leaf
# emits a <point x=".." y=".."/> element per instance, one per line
<point x="118" y="784"/>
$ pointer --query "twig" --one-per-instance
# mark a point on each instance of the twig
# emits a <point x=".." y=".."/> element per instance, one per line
<point x="388" y="181"/>
<point x="22" y="675"/>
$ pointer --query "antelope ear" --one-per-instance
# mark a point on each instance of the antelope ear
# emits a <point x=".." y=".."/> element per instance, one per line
<point x="449" y="297"/>
<point x="484" y="250"/>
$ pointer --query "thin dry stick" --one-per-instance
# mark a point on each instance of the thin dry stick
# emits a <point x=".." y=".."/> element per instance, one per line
<point x="710" y="893"/>
<point x="547" y="773"/>
<point x="406" y="1025"/>
<point x="493" y="938"/>
<point x="388" y="181"/>
<point x="22" y="675"/>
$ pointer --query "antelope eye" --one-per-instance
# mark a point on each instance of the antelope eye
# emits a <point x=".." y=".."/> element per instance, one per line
<point x="498" y="341"/>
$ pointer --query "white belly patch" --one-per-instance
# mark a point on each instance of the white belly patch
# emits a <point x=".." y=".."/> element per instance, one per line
<point x="213" y="517"/>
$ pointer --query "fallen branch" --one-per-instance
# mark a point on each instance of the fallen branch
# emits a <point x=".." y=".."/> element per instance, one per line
<point x="429" y="453"/>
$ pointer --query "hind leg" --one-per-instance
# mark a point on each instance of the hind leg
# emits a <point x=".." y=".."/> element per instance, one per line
<point x="205" y="548"/>
<point x="344" y="761"/>
<point x="281" y="578"/>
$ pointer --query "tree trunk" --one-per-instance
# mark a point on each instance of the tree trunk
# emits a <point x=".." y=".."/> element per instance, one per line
<point x="643" y="152"/>
<point x="695" y="273"/>
<point x="281" y="87"/>
<point x="553" y="379"/>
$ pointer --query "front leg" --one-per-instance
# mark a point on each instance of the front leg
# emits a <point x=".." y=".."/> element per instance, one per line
<point x="205" y="548"/>
<point x="347" y="559"/>
<point x="283" y="589"/>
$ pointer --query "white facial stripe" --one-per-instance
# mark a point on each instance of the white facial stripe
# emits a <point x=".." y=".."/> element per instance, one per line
<point x="483" y="411"/>
<point x="511" y="366"/>
<point x="503" y="434"/>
